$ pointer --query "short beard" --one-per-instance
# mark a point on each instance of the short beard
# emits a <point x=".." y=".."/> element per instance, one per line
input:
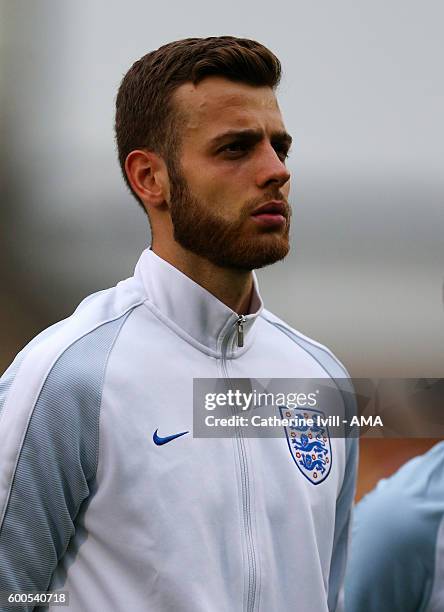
<point x="204" y="233"/>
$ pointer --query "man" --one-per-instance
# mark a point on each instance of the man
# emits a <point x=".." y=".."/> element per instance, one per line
<point x="397" y="551"/>
<point x="104" y="491"/>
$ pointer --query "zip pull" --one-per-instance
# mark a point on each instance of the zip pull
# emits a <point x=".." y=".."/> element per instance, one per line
<point x="240" y="330"/>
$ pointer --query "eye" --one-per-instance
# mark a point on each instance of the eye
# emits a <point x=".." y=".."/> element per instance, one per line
<point x="235" y="149"/>
<point x="282" y="151"/>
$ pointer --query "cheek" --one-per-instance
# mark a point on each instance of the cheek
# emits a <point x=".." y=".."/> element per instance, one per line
<point x="223" y="191"/>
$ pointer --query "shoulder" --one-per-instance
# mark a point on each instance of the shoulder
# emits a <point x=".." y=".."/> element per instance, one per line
<point x="416" y="484"/>
<point x="50" y="396"/>
<point x="327" y="360"/>
<point x="318" y="351"/>
<point x="58" y="375"/>
<point x="80" y="338"/>
<point x="394" y="535"/>
<point x="390" y="521"/>
<point x="407" y="507"/>
<point x="335" y="370"/>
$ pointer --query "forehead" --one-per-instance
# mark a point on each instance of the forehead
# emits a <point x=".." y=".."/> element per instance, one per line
<point x="217" y="104"/>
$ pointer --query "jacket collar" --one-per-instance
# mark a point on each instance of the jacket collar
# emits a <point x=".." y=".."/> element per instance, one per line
<point x="191" y="310"/>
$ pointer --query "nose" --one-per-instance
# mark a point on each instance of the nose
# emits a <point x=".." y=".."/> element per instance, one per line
<point x="271" y="168"/>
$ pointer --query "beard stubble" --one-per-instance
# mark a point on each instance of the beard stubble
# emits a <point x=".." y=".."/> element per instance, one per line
<point x="226" y="244"/>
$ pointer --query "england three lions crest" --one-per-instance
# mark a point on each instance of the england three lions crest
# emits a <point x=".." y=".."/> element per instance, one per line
<point x="309" y="442"/>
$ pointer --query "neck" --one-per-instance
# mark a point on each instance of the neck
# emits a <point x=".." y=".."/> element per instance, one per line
<point x="232" y="287"/>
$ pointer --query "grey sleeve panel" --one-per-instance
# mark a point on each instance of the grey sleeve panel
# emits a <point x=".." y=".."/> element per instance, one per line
<point x="57" y="463"/>
<point x="344" y="502"/>
<point x="8" y="377"/>
<point x="392" y="553"/>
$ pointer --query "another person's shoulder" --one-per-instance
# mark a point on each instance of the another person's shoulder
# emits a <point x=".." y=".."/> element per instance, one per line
<point x="412" y="488"/>
<point x="394" y="538"/>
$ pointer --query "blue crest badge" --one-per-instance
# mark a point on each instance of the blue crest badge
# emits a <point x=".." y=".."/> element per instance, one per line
<point x="309" y="444"/>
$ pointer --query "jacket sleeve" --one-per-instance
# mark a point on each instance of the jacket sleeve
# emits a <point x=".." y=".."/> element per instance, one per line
<point x="49" y="414"/>
<point x="387" y="570"/>
<point x="342" y="526"/>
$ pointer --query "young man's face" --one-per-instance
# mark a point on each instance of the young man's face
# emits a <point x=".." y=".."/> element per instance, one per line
<point x="231" y="164"/>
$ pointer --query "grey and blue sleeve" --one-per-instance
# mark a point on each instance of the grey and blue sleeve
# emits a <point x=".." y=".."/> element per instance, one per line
<point x="56" y="462"/>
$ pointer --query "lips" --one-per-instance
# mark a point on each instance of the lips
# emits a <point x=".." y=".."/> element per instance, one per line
<point x="271" y="215"/>
<point x="274" y="207"/>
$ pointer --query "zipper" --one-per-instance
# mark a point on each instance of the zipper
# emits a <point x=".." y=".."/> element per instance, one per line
<point x="245" y="488"/>
<point x="240" y="330"/>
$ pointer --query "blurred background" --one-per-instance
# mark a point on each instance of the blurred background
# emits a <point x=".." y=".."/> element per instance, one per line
<point x="362" y="95"/>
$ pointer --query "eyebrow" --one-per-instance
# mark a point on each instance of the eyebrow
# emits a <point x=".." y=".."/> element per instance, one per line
<point x="252" y="137"/>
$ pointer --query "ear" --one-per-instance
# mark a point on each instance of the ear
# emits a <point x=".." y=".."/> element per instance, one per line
<point x="148" y="176"/>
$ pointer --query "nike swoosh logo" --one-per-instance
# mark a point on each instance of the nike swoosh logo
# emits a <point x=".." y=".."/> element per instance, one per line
<point x="159" y="441"/>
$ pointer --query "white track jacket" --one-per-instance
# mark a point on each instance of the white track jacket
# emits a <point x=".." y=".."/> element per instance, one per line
<point x="89" y="503"/>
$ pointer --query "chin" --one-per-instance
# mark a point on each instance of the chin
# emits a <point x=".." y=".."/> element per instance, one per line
<point x="253" y="254"/>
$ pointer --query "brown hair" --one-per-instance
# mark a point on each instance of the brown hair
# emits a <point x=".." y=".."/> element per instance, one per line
<point x="145" y="116"/>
